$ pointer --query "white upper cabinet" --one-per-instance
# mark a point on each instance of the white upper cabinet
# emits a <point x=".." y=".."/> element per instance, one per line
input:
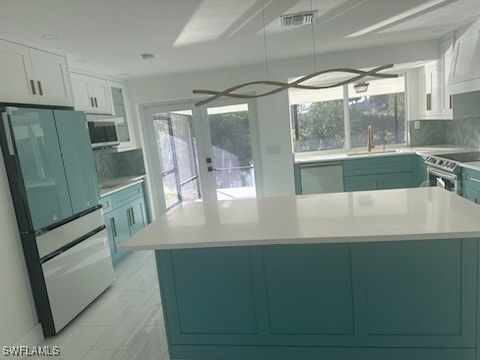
<point x="51" y="77"/>
<point x="465" y="75"/>
<point x="435" y="96"/>
<point x="30" y="76"/>
<point x="91" y="94"/>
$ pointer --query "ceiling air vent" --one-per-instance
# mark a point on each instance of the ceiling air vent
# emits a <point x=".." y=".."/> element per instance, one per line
<point x="298" y="19"/>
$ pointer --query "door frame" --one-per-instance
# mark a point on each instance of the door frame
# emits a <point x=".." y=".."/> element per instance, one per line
<point x="202" y="135"/>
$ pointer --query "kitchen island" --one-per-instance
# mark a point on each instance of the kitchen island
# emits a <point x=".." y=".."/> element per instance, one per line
<point x="386" y="274"/>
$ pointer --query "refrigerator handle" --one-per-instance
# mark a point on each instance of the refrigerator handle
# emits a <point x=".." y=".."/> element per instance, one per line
<point x="8" y="134"/>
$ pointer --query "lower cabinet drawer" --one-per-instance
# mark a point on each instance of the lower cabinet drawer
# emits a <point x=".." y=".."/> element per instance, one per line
<point x="378" y="165"/>
<point x="128" y="194"/>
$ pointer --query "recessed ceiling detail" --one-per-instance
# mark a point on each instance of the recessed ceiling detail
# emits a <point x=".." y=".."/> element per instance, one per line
<point x="49" y="37"/>
<point x="147" y="56"/>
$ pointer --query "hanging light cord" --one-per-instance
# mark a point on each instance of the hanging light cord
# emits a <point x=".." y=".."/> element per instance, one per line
<point x="265" y="41"/>
<point x="313" y="39"/>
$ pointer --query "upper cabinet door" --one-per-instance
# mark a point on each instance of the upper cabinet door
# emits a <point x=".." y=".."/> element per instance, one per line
<point x="16" y="75"/>
<point x="78" y="159"/>
<point x="99" y="91"/>
<point x="38" y="152"/>
<point x="51" y="78"/>
<point x="91" y="94"/>
<point x="80" y="92"/>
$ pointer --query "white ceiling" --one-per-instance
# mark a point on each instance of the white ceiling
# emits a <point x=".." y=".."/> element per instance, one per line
<point x="188" y="35"/>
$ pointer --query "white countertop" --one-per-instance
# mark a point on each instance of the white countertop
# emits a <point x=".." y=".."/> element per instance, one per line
<point x="339" y="155"/>
<point x="108" y="187"/>
<point x="384" y="215"/>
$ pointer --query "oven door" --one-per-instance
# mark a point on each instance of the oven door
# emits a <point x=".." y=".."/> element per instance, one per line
<point x="448" y="181"/>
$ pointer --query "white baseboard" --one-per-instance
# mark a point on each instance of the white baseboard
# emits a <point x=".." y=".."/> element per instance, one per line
<point x="33" y="337"/>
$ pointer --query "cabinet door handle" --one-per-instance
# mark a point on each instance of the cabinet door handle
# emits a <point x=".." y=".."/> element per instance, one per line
<point x="476" y="180"/>
<point x="96" y="104"/>
<point x="132" y="216"/>
<point x="91" y="102"/>
<point x="40" y="90"/>
<point x="32" y="84"/>
<point x="114" y="228"/>
<point x="451" y="102"/>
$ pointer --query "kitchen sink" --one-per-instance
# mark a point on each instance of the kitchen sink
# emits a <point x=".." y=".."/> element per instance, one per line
<point x="373" y="152"/>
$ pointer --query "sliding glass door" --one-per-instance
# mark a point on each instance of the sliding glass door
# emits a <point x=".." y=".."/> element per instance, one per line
<point x="202" y="153"/>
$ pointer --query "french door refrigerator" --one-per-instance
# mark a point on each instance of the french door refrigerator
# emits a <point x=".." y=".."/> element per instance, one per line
<point x="52" y="178"/>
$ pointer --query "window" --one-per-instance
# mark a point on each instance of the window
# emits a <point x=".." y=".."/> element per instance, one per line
<point x="322" y="119"/>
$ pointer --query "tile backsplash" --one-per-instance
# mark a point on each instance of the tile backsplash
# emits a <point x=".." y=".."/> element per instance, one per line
<point x="460" y="132"/>
<point x="111" y="165"/>
<point x="431" y="132"/>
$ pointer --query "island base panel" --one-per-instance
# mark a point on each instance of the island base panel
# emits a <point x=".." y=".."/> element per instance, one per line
<point x="393" y="300"/>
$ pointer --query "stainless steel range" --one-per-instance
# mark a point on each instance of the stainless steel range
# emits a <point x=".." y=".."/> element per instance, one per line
<point x="445" y="170"/>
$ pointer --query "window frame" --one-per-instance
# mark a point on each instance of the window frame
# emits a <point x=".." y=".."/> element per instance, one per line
<point x="347" y="122"/>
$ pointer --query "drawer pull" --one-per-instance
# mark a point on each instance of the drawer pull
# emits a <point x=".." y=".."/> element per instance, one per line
<point x="114" y="228"/>
<point x="131" y="215"/>
<point x="40" y="90"/>
<point x="96" y="104"/>
<point x="32" y="84"/>
<point x="476" y="180"/>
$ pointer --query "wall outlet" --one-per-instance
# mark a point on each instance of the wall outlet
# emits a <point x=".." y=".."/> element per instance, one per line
<point x="273" y="149"/>
<point x="416" y="125"/>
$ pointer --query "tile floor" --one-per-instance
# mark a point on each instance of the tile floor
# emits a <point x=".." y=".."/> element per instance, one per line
<point x="125" y="322"/>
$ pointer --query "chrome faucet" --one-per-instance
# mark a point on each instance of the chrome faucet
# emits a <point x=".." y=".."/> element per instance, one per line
<point x="370" y="144"/>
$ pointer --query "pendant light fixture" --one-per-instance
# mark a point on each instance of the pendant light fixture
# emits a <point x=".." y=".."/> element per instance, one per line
<point x="296" y="19"/>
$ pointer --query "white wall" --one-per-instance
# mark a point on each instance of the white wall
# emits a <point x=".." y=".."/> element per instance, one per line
<point x="18" y="319"/>
<point x="273" y="111"/>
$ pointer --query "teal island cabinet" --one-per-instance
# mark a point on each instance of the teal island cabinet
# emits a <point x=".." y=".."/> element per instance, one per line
<point x="124" y="212"/>
<point x="354" y="276"/>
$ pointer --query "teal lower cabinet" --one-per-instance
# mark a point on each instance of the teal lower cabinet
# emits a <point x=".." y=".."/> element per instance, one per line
<point x="378" y="182"/>
<point x="362" y="301"/>
<point x="471" y="185"/>
<point x="124" y="215"/>
<point x="386" y="172"/>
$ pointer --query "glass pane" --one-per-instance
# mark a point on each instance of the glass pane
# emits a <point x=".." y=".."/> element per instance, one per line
<point x="190" y="191"/>
<point x="179" y="162"/>
<point x="170" y="190"/>
<point x="232" y="156"/>
<point x="318" y="126"/>
<point x="120" y="115"/>
<point x="164" y="141"/>
<point x="382" y="106"/>
<point x="184" y="147"/>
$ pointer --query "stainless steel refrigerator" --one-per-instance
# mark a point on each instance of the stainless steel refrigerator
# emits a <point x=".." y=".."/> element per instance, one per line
<point x="53" y="182"/>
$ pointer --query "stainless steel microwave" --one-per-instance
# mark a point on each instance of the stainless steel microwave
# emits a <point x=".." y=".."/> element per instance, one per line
<point x="103" y="134"/>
